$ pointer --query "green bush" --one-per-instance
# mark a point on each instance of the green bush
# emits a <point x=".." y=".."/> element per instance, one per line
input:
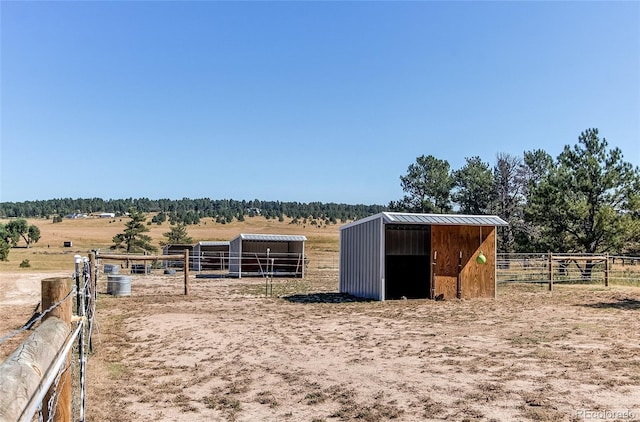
<point x="25" y="264"/>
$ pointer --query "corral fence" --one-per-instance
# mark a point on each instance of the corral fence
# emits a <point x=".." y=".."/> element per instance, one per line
<point x="144" y="268"/>
<point x="550" y="268"/>
<point x="44" y="378"/>
<point x="279" y="263"/>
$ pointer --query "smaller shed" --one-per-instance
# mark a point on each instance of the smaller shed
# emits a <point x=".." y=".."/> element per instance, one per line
<point x="259" y="254"/>
<point x="177" y="249"/>
<point x="392" y="255"/>
<point x="211" y="255"/>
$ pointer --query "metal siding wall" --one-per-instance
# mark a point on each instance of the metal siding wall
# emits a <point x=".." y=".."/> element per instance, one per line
<point x="195" y="257"/>
<point x="234" y="255"/>
<point x="360" y="260"/>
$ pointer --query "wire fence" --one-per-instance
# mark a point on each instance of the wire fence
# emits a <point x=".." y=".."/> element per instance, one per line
<point x="521" y="267"/>
<point x="66" y="371"/>
<point x="568" y="268"/>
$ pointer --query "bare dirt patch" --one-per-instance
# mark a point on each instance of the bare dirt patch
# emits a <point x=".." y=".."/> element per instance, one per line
<point x="226" y="352"/>
<point x="19" y="299"/>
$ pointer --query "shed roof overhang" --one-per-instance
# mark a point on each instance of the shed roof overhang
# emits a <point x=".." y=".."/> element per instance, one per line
<point x="443" y="219"/>
<point x="432" y="219"/>
<point x="214" y="243"/>
<point x="273" y="237"/>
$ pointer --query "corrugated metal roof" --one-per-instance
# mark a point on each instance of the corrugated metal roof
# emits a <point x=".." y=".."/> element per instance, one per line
<point x="274" y="237"/>
<point x="178" y="245"/>
<point x="443" y="219"/>
<point x="214" y="243"/>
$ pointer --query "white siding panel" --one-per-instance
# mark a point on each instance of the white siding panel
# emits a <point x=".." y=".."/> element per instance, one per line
<point x="360" y="266"/>
<point x="235" y="256"/>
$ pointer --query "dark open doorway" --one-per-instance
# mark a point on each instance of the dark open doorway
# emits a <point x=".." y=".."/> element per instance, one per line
<point x="407" y="261"/>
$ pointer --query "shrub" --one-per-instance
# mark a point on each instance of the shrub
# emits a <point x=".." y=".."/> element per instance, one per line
<point x="25" y="264"/>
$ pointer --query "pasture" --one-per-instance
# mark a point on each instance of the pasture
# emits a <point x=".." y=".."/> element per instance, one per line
<point x="226" y="352"/>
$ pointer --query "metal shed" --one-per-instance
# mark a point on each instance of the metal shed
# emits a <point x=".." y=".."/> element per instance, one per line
<point x="257" y="254"/>
<point x="392" y="255"/>
<point x="211" y="255"/>
<point x="177" y="249"/>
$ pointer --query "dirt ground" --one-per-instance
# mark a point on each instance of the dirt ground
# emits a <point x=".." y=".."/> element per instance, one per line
<point x="19" y="299"/>
<point x="228" y="353"/>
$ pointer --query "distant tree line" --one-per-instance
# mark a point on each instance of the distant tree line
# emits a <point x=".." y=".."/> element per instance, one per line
<point x="586" y="200"/>
<point x="190" y="211"/>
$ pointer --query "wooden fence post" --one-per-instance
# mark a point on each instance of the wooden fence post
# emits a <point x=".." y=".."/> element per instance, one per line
<point x="53" y="291"/>
<point x="606" y="270"/>
<point x="186" y="272"/>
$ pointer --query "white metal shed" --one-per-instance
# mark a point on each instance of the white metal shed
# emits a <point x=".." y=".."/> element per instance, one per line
<point x="392" y="255"/>
<point x="177" y="249"/>
<point x="257" y="254"/>
<point x="211" y="255"/>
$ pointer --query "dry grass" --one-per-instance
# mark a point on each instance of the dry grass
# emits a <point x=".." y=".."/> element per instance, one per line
<point x="96" y="233"/>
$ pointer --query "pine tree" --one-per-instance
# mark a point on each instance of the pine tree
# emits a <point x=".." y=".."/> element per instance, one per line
<point x="133" y="239"/>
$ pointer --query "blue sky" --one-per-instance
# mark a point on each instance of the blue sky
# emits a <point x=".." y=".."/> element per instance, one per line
<point x="300" y="101"/>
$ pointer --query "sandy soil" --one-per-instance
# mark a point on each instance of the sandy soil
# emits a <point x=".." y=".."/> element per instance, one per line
<point x="227" y="352"/>
<point x="19" y="299"/>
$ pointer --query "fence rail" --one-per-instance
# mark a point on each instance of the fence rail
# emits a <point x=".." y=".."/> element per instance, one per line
<point x="568" y="268"/>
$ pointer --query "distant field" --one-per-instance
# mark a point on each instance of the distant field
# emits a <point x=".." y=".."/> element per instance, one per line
<point x="96" y="233"/>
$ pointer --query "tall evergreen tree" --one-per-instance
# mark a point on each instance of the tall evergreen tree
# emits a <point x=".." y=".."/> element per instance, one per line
<point x="427" y="186"/>
<point x="591" y="201"/>
<point x="133" y="239"/>
<point x="177" y="235"/>
<point x="474" y="187"/>
<point x="534" y="237"/>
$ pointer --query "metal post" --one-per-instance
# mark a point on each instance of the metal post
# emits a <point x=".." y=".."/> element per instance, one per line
<point x="266" y="279"/>
<point x="93" y="280"/>
<point x="81" y="340"/>
<point x="433" y="277"/>
<point x="606" y="270"/>
<point x="550" y="272"/>
<point x="272" y="263"/>
<point x="77" y="260"/>
<point x="186" y="272"/>
<point x="459" y="280"/>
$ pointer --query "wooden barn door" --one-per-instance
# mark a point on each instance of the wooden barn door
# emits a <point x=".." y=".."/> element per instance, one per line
<point x="476" y="280"/>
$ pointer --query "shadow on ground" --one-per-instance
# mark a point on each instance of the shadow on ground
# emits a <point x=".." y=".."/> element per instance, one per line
<point x="324" y="298"/>
<point x="625" y="304"/>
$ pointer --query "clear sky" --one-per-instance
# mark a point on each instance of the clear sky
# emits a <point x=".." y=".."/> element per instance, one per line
<point x="300" y="101"/>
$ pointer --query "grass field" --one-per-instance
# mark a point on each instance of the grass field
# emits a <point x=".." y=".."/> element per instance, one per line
<point x="97" y="233"/>
<point x="228" y="353"/>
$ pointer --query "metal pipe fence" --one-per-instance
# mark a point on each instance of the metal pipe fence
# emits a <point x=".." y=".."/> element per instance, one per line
<point x="568" y="268"/>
